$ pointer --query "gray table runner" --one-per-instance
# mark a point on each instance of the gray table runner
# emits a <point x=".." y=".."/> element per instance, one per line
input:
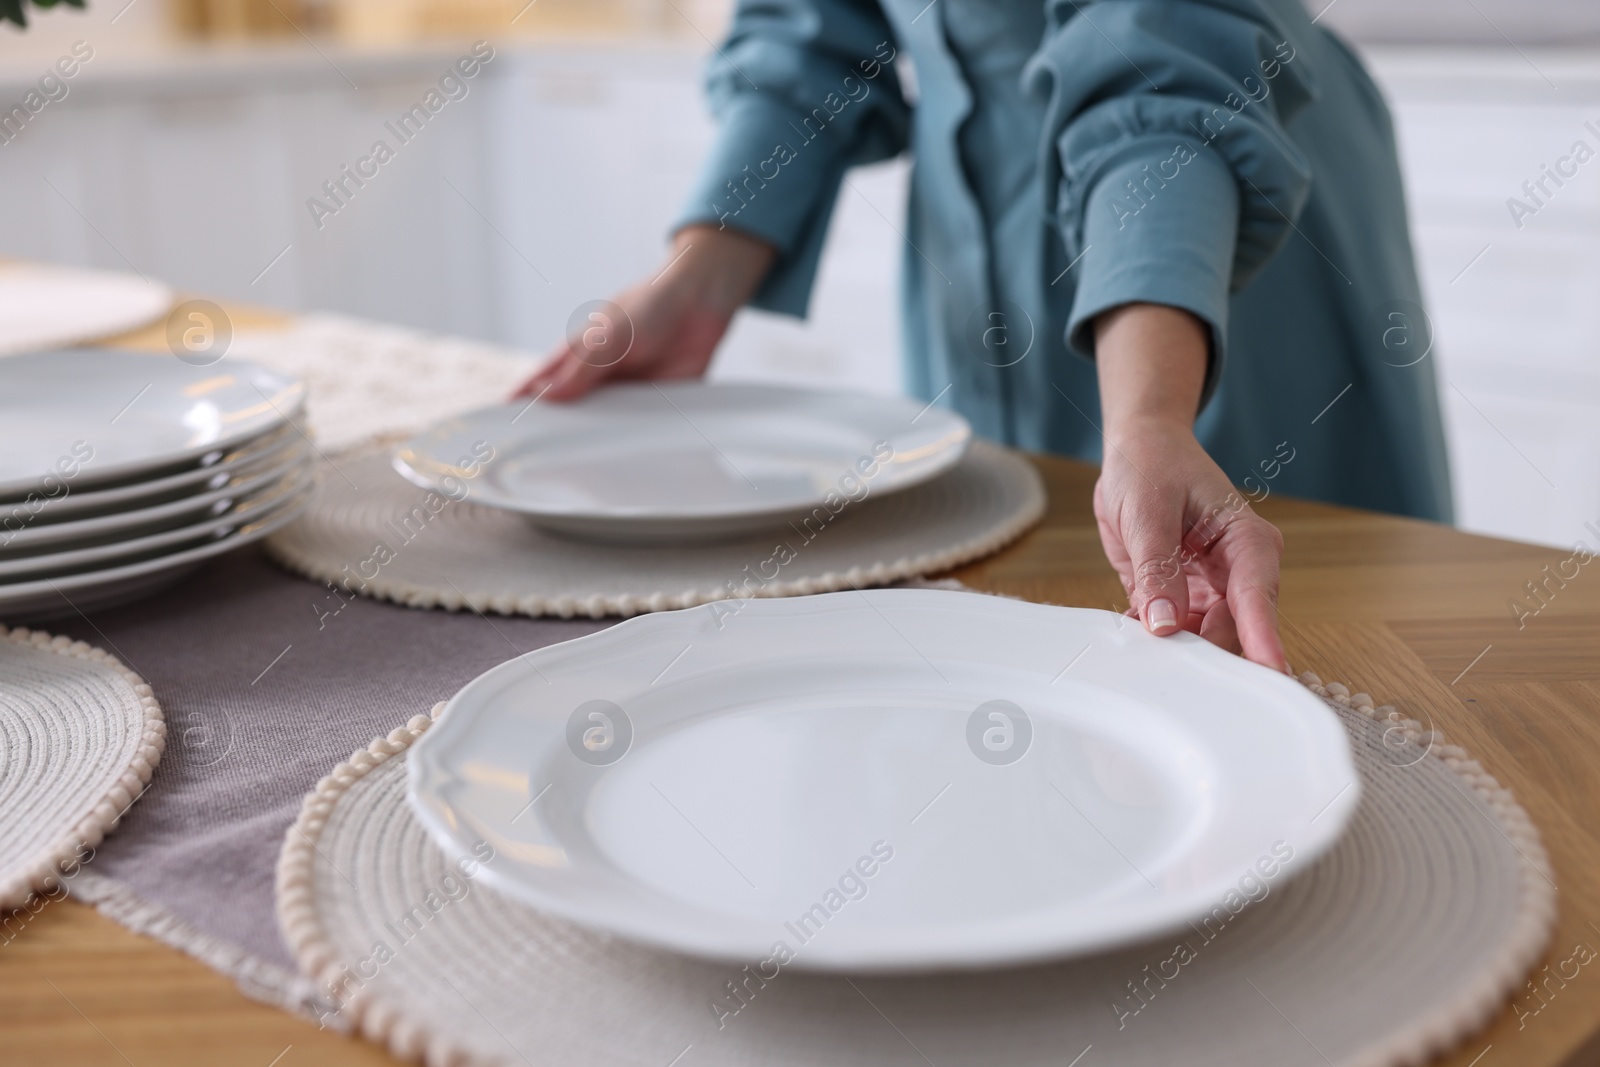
<point x="267" y="682"/>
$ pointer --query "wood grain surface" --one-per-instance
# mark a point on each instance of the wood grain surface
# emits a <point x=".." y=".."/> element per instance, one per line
<point x="1415" y="614"/>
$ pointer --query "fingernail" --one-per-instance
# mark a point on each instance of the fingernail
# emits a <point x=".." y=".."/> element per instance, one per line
<point x="1161" y="615"/>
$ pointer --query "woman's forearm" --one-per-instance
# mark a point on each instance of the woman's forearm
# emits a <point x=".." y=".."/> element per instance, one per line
<point x="724" y="266"/>
<point x="1151" y="361"/>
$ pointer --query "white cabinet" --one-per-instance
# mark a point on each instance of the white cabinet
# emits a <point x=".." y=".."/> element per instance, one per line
<point x="1516" y="310"/>
<point x="552" y="183"/>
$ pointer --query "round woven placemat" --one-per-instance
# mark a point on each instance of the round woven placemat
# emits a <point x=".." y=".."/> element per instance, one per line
<point x="373" y="532"/>
<point x="80" y="735"/>
<point x="1394" y="946"/>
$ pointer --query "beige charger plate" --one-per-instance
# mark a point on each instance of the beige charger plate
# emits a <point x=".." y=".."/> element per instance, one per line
<point x="372" y="532"/>
<point x="1396" y="945"/>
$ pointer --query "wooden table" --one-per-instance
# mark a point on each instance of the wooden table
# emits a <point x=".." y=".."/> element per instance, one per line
<point x="1415" y="614"/>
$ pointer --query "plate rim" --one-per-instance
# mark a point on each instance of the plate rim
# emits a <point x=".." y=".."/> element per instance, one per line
<point x="69" y="530"/>
<point x="424" y="772"/>
<point x="412" y="469"/>
<point x="84" y="284"/>
<point x="131" y="493"/>
<point x="270" y="494"/>
<point x="284" y="411"/>
<point x="274" y="521"/>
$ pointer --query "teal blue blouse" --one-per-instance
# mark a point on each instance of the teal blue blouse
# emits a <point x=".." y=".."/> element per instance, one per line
<point x="1227" y="157"/>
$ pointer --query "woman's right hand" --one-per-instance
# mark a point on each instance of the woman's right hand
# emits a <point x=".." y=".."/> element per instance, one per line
<point x="669" y="326"/>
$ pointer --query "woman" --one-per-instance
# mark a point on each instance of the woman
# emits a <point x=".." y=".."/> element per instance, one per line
<point x="1199" y="196"/>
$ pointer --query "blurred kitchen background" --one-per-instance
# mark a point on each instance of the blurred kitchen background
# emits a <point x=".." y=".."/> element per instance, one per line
<point x="187" y="147"/>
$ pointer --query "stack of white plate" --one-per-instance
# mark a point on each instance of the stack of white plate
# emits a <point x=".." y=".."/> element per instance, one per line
<point x="684" y="461"/>
<point x="122" y="471"/>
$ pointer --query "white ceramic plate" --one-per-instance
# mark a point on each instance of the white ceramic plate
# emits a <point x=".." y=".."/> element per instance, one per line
<point x="141" y="415"/>
<point x="272" y="494"/>
<point x="74" y="594"/>
<point x="271" y="450"/>
<point x="705" y="780"/>
<point x="49" y="307"/>
<point x="687" y="459"/>
<point x="232" y="495"/>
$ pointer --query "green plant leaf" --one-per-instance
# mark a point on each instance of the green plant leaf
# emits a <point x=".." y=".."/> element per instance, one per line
<point x="11" y="10"/>
<point x="17" y="11"/>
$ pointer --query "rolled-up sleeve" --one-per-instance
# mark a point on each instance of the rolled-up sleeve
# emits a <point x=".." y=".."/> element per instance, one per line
<point x="803" y="90"/>
<point x="1166" y="162"/>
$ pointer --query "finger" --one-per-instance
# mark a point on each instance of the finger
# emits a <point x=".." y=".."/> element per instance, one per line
<point x="533" y="385"/>
<point x="1154" y="533"/>
<point x="1203" y="596"/>
<point x="575" y="375"/>
<point x="1217" y="626"/>
<point x="572" y="370"/>
<point x="1117" y="556"/>
<point x="1111" y="542"/>
<point x="1253" y="550"/>
<point x="540" y="379"/>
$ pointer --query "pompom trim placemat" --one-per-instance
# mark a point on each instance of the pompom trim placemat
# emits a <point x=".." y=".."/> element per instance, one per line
<point x="369" y="531"/>
<point x="357" y="823"/>
<point x="80" y="735"/>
